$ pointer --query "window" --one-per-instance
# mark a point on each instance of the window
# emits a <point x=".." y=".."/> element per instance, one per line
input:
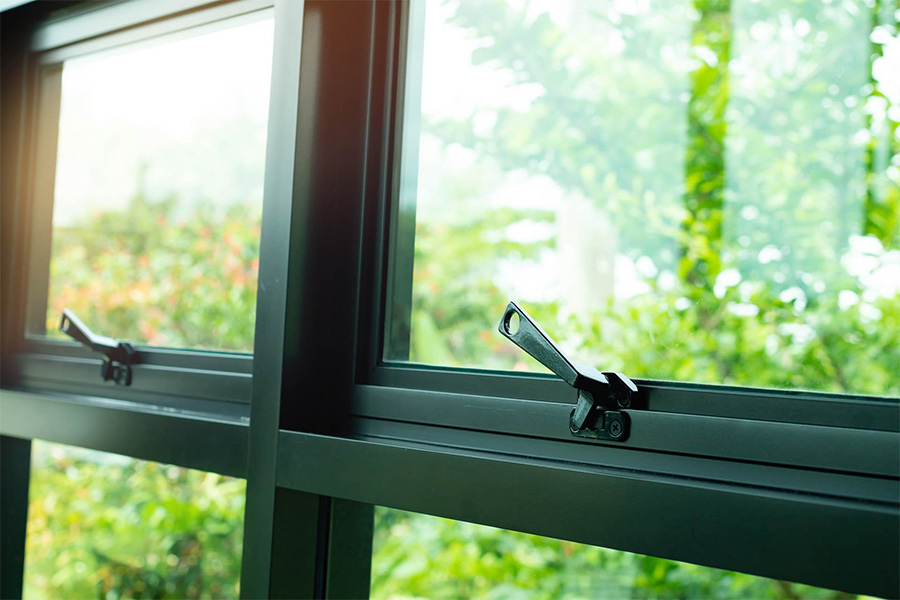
<point x="109" y="525"/>
<point x="149" y="164"/>
<point x="408" y="196"/>
<point x="417" y="556"/>
<point x="690" y="191"/>
<point x="157" y="193"/>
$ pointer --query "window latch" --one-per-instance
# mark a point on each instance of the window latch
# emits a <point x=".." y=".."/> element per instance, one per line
<point x="118" y="355"/>
<point x="597" y="412"/>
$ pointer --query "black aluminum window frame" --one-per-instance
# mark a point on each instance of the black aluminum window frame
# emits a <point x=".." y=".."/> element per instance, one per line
<point x="185" y="407"/>
<point x="198" y="380"/>
<point x="799" y="486"/>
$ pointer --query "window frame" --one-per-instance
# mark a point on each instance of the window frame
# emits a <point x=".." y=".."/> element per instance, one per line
<point x="191" y="379"/>
<point x="333" y="430"/>
<point x="185" y="407"/>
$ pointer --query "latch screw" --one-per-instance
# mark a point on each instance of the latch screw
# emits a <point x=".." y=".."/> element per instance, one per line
<point x="615" y="428"/>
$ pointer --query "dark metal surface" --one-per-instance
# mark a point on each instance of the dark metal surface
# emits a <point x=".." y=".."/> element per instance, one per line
<point x="765" y="442"/>
<point x="596" y="391"/>
<point x="315" y="186"/>
<point x="98" y="19"/>
<point x="608" y="389"/>
<point x="349" y="549"/>
<point x="528" y="335"/>
<point x="295" y="551"/>
<point x="321" y="547"/>
<point x="849" y="486"/>
<point x="151" y="383"/>
<point x="386" y="306"/>
<point x="73" y="327"/>
<point x="15" y="121"/>
<point x="15" y="457"/>
<point x="784" y="406"/>
<point x="193" y="440"/>
<point x="849" y="546"/>
<point x="16" y="116"/>
<point x="205" y="360"/>
<point x="36" y="195"/>
<point x="118" y="355"/>
<point x="272" y="556"/>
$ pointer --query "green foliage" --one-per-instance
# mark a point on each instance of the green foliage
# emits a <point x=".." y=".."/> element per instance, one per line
<point x="417" y="556"/>
<point x="111" y="527"/>
<point x="158" y="277"/>
<point x="454" y="293"/>
<point x="717" y="309"/>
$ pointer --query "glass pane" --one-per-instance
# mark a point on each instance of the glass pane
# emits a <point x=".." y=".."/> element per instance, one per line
<point x="695" y="190"/>
<point x="418" y="556"/>
<point x="158" y="190"/>
<point x="108" y="526"/>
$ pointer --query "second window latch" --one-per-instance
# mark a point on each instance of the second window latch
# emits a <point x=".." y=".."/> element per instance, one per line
<point x="597" y="412"/>
<point x="118" y="355"/>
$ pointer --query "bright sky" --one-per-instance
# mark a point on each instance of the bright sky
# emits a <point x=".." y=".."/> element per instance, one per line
<point x="192" y="111"/>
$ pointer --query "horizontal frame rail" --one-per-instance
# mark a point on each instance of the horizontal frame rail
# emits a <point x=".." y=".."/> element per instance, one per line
<point x="838" y="544"/>
<point x="858" y="488"/>
<point x="182" y="438"/>
<point x="810" y="446"/>
<point x="122" y="15"/>
<point x="149" y="382"/>
<point x="211" y="360"/>
<point x="787" y="406"/>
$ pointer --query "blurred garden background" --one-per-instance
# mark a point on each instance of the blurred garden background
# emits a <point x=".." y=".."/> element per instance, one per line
<point x="702" y="191"/>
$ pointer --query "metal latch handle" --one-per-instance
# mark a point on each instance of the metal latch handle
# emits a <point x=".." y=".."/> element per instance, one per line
<point x="600" y="395"/>
<point x="532" y="339"/>
<point x="118" y="355"/>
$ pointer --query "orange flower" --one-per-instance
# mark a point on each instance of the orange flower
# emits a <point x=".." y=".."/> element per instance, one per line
<point x="147" y="330"/>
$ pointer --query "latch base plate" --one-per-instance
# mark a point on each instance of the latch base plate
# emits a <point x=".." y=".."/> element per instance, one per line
<point x="611" y="425"/>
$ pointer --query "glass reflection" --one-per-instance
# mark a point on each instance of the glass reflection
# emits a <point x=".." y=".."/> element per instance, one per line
<point x="699" y="190"/>
<point x="158" y="190"/>
<point x="419" y="556"/>
<point x="110" y="526"/>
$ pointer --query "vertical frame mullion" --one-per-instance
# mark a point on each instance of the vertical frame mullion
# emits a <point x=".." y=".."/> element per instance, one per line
<point x="307" y="545"/>
<point x="401" y="229"/>
<point x="17" y="94"/>
<point x="278" y="230"/>
<point x="321" y="547"/>
<point x="15" y="470"/>
<point x="43" y="187"/>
